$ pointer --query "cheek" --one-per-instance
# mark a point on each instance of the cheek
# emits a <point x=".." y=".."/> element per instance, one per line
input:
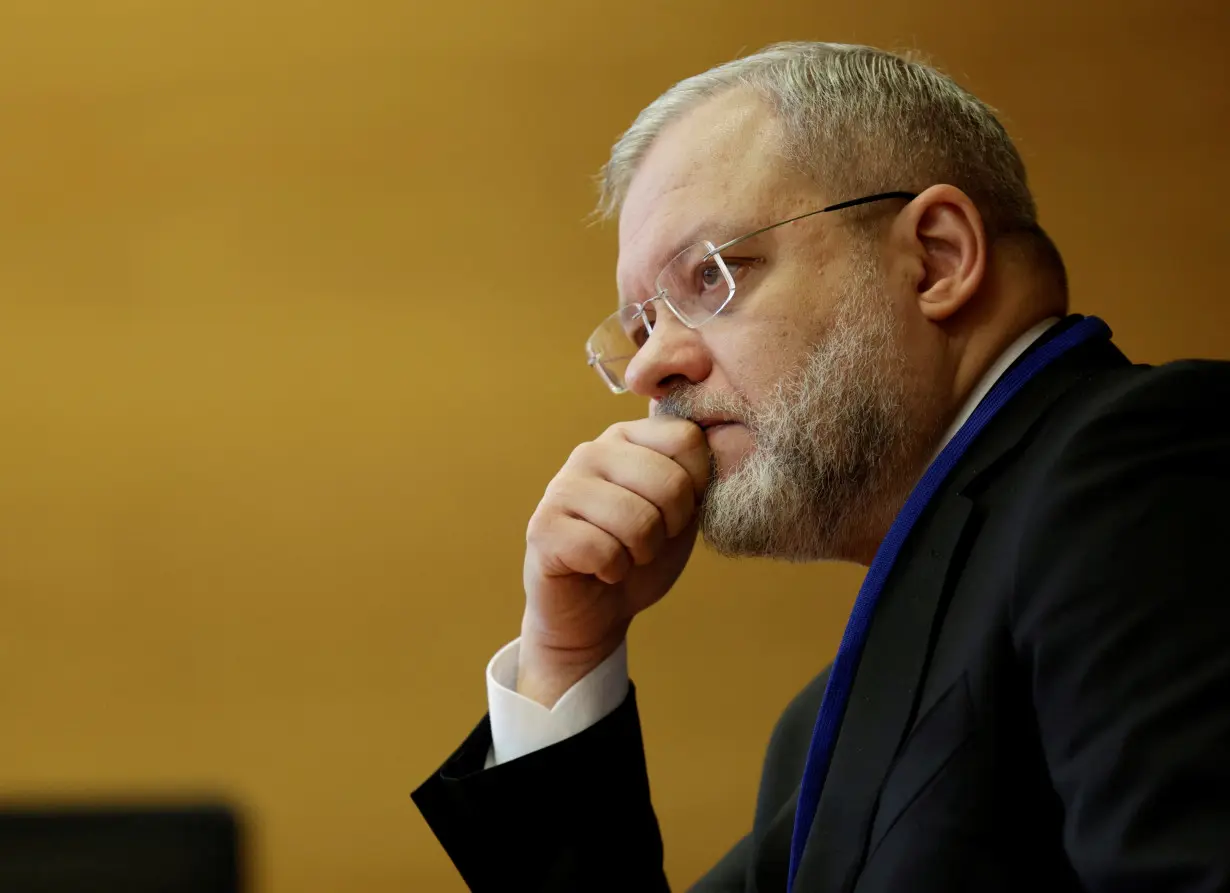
<point x="752" y="369"/>
<point x="772" y="351"/>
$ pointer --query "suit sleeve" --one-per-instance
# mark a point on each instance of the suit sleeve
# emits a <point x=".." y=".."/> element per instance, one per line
<point x="573" y="816"/>
<point x="1123" y="622"/>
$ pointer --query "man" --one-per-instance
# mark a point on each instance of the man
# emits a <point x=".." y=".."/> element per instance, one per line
<point x="852" y="335"/>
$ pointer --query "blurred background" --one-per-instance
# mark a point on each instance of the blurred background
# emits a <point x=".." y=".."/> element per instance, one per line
<point x="292" y="305"/>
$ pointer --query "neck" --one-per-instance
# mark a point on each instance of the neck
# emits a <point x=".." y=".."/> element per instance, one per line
<point x="1012" y="301"/>
<point x="974" y="341"/>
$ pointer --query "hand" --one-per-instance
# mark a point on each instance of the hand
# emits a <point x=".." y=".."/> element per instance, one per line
<point x="609" y="538"/>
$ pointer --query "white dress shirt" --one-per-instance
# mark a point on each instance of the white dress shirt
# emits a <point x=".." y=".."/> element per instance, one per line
<point x="520" y="725"/>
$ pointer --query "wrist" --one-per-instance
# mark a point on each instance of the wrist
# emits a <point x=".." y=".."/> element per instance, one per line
<point x="546" y="670"/>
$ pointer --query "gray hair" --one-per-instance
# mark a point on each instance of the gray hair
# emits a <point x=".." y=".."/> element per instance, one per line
<point x="859" y="120"/>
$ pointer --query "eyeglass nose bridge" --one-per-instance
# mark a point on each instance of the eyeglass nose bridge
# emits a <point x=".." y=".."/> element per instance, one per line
<point x="663" y="296"/>
<point x="642" y="310"/>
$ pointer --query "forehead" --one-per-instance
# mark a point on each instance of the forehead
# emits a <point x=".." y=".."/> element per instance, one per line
<point x="715" y="168"/>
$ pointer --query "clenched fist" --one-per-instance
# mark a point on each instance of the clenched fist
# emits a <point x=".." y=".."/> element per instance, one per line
<point x="611" y="535"/>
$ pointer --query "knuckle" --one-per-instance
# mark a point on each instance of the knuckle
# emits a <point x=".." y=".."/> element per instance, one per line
<point x="564" y="491"/>
<point x="538" y="530"/>
<point x="693" y="437"/>
<point x="582" y="455"/>
<point x="678" y="484"/>
<point x="608" y="549"/>
<point x="576" y="551"/>
<point x="604" y="554"/>
<point x="617" y="431"/>
<point x="645" y="523"/>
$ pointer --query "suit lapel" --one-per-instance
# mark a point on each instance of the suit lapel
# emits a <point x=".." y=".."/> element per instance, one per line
<point x="883" y="700"/>
<point x="772" y="856"/>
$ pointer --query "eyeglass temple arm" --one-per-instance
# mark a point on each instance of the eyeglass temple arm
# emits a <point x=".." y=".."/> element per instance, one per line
<point x="878" y="197"/>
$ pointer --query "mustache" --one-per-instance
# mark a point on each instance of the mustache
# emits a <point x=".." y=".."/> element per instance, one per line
<point x="691" y="403"/>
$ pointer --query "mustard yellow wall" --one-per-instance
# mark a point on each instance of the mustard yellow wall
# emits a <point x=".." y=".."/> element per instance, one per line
<point x="291" y="304"/>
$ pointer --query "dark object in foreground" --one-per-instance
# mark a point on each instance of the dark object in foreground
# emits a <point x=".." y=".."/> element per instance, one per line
<point x="134" y="849"/>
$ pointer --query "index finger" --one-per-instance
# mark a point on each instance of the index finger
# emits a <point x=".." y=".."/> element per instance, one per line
<point x="677" y="439"/>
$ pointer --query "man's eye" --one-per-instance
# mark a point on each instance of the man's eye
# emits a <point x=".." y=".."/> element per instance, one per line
<point x="711" y="274"/>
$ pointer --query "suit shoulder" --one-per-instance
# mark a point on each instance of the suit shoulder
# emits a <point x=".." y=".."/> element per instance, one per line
<point x="1172" y="389"/>
<point x="1137" y="405"/>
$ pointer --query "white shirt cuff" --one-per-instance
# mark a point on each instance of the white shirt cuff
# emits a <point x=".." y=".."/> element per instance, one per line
<point x="520" y="726"/>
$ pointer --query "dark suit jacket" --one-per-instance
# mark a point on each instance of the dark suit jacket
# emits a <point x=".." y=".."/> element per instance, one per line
<point x="1043" y="703"/>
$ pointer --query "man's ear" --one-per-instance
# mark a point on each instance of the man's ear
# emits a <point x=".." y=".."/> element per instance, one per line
<point x="944" y="234"/>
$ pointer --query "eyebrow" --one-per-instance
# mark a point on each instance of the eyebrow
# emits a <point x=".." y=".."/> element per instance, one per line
<point x="660" y="258"/>
<point x="715" y="233"/>
<point x="692" y="235"/>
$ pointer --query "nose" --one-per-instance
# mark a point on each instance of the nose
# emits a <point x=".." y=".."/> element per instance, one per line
<point x="672" y="355"/>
